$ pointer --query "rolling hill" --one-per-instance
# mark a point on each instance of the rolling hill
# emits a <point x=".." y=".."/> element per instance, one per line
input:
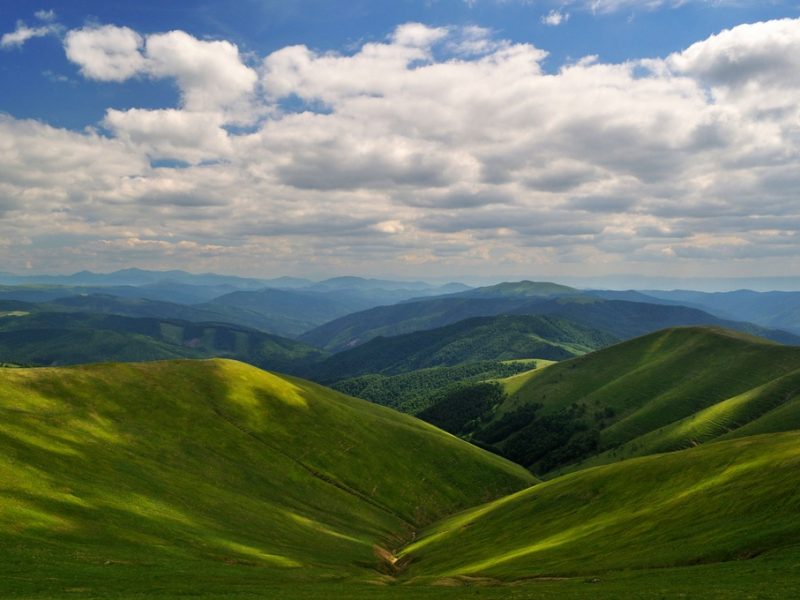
<point x="520" y="289"/>
<point x="283" y="312"/>
<point x="296" y="311"/>
<point x="62" y="338"/>
<point x="213" y="479"/>
<point x="665" y="391"/>
<point x="153" y="477"/>
<point x="498" y="338"/>
<point x="406" y="317"/>
<point x="619" y="318"/>
<point x="716" y="504"/>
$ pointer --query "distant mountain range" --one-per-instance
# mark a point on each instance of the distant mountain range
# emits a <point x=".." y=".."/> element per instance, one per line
<point x="621" y="319"/>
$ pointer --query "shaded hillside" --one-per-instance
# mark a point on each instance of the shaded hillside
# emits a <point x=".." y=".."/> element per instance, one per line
<point x="488" y="338"/>
<point x="296" y="311"/>
<point x="138" y="477"/>
<point x="665" y="391"/>
<point x="414" y="391"/>
<point x="73" y="338"/>
<point x="387" y="321"/>
<point x="283" y="312"/>
<point x="618" y="318"/>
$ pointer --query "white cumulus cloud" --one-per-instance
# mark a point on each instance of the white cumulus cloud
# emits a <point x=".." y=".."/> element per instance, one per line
<point x="106" y="53"/>
<point x="555" y="18"/>
<point x="418" y="150"/>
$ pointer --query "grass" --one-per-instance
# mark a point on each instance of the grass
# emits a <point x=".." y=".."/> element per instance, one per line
<point x="213" y="479"/>
<point x="170" y="470"/>
<point x="666" y="391"/>
<point x="721" y="503"/>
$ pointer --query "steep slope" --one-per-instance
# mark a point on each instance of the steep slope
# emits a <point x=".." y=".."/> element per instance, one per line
<point x="664" y="391"/>
<point x="43" y="338"/>
<point x="487" y="338"/>
<point x="727" y="501"/>
<point x="180" y="472"/>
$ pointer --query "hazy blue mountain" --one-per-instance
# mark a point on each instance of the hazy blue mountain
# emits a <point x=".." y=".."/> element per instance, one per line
<point x="285" y="312"/>
<point x="164" y="291"/>
<point x="622" y="319"/>
<point x="769" y="309"/>
<point x="519" y="289"/>
<point x="361" y="283"/>
<point x="134" y="277"/>
<point x="135" y="307"/>
<point x="357" y="328"/>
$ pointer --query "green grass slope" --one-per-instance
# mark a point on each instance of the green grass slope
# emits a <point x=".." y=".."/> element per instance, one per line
<point x="664" y="391"/>
<point x="728" y="501"/>
<point x="146" y="476"/>
<point x="504" y="337"/>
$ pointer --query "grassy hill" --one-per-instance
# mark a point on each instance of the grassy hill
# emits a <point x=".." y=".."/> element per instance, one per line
<point x="43" y="338"/>
<point x="665" y="391"/>
<point x="213" y="479"/>
<point x="728" y="501"/>
<point x="488" y="338"/>
<point x="147" y="478"/>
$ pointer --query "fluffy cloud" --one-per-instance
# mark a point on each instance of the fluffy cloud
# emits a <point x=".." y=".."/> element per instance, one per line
<point x="172" y="134"/>
<point x="216" y="88"/>
<point x="443" y="147"/>
<point x="752" y="66"/>
<point x="107" y="53"/>
<point x="211" y="75"/>
<point x="555" y="18"/>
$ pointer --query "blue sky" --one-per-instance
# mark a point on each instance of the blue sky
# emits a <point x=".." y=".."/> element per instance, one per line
<point x="262" y="26"/>
<point x="411" y="138"/>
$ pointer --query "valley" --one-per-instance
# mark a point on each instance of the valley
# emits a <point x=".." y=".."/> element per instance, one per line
<point x="552" y="452"/>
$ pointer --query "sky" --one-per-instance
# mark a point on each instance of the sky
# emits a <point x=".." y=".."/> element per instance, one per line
<point x="402" y="138"/>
